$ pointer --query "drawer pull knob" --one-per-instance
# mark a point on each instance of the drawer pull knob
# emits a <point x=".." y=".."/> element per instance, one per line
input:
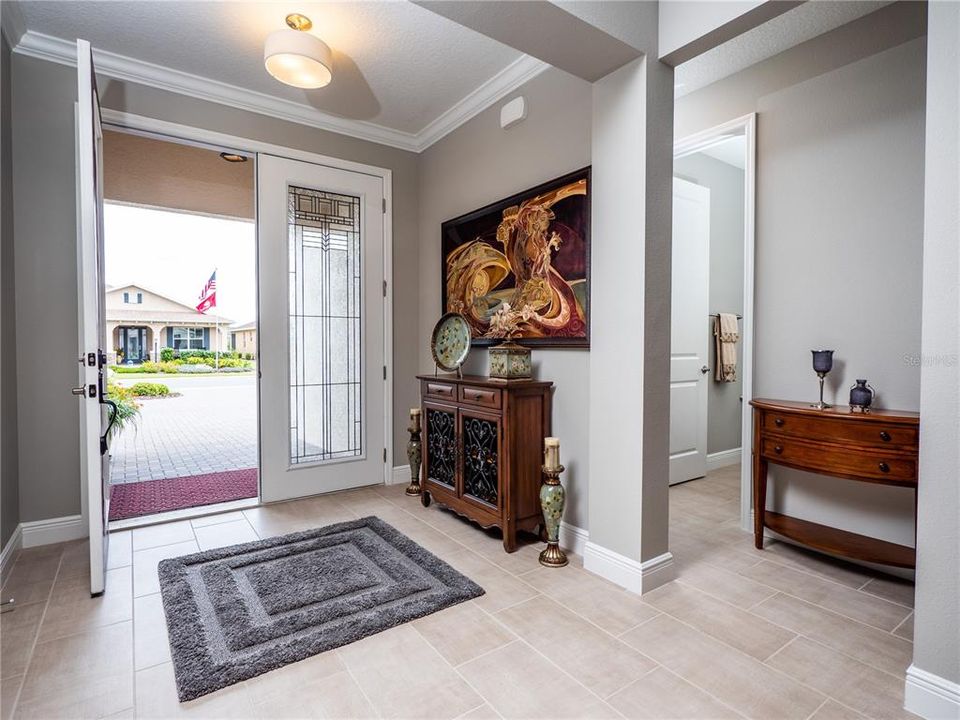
<point x="778" y="422"/>
<point x="778" y="449"/>
<point x="885" y="436"/>
<point x="884" y="467"/>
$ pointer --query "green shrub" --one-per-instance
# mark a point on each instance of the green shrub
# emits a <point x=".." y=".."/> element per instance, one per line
<point x="166" y="354"/>
<point x="149" y="389"/>
<point x="127" y="408"/>
<point x="194" y="360"/>
<point x="169" y="367"/>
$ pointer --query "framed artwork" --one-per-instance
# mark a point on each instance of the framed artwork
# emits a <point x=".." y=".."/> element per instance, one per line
<point x="520" y="268"/>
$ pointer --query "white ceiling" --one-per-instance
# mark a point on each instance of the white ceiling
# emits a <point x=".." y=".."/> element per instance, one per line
<point x="802" y="23"/>
<point x="396" y="65"/>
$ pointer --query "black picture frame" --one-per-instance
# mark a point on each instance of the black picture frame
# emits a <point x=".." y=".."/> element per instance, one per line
<point x="463" y="229"/>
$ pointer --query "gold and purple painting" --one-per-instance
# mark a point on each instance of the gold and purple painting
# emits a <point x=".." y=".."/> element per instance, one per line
<point x="520" y="268"/>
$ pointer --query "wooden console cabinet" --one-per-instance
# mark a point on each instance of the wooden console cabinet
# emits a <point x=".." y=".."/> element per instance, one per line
<point x="483" y="449"/>
<point x="880" y="446"/>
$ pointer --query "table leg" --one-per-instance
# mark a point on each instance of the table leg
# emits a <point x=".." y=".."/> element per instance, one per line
<point x="759" y="484"/>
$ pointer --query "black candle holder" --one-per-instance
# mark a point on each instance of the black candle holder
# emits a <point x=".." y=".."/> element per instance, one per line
<point x="822" y="364"/>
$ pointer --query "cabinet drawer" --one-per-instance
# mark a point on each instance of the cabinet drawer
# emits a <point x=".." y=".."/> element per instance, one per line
<point x="879" y="434"/>
<point x="440" y="390"/>
<point x="485" y="397"/>
<point x="865" y="464"/>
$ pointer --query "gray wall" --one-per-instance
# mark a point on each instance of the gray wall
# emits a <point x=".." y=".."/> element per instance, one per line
<point x="839" y="223"/>
<point x="9" y="487"/>
<point x="724" y="408"/>
<point x="936" y="638"/>
<point x="43" y="98"/>
<point x="478" y="163"/>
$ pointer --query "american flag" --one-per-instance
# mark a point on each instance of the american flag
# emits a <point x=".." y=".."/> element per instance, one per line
<point x="208" y="296"/>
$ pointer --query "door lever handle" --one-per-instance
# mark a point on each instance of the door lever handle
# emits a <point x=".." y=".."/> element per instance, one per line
<point x="85" y="390"/>
<point x="704" y="370"/>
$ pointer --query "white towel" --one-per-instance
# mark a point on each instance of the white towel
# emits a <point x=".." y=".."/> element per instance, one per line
<point x="726" y="333"/>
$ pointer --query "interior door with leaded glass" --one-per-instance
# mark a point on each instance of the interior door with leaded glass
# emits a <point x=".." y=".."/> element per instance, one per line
<point x="321" y="358"/>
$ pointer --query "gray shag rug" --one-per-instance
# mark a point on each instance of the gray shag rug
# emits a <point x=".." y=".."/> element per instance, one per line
<point x="240" y="611"/>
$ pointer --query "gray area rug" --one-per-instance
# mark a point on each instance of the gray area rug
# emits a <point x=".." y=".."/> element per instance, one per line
<point x="240" y="611"/>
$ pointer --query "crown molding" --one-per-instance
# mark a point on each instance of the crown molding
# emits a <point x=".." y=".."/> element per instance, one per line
<point x="121" y="67"/>
<point x="520" y="71"/>
<point x="12" y="23"/>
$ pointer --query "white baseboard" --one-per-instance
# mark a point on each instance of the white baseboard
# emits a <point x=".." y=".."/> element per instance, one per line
<point x="54" y="530"/>
<point x="722" y="459"/>
<point x="931" y="696"/>
<point x="635" y="576"/>
<point x="10" y="552"/>
<point x="401" y="475"/>
<point x="573" y="538"/>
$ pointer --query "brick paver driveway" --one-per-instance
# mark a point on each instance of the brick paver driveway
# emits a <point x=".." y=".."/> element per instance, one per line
<point x="211" y="427"/>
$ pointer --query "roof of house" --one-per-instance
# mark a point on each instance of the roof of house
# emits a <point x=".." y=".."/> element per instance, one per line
<point x="188" y="315"/>
<point x="252" y="325"/>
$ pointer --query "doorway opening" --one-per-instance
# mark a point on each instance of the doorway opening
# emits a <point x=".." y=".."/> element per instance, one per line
<point x="712" y="311"/>
<point x="180" y="258"/>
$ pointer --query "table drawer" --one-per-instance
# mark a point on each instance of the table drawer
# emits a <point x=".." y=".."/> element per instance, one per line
<point x="438" y="390"/>
<point x="485" y="397"/>
<point x="861" y="432"/>
<point x="868" y="465"/>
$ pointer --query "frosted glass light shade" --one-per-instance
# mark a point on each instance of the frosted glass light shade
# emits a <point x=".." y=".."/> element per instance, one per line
<point x="298" y="59"/>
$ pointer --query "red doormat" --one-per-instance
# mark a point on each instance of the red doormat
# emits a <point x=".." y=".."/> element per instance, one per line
<point x="149" y="497"/>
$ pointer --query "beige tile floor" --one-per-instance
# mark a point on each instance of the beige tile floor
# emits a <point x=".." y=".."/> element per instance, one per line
<point x="779" y="633"/>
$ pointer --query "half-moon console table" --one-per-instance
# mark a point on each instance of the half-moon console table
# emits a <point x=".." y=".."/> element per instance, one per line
<point x="880" y="446"/>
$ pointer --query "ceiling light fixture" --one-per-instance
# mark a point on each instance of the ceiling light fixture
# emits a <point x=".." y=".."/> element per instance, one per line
<point x="233" y="157"/>
<point x="297" y="58"/>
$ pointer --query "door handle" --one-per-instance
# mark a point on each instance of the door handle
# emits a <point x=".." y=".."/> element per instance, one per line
<point x="704" y="370"/>
<point x="114" y="412"/>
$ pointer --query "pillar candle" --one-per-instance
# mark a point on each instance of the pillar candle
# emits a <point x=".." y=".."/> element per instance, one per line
<point x="415" y="418"/>
<point x="551" y="453"/>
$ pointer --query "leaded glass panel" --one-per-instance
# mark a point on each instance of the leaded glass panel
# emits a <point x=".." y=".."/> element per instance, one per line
<point x="326" y="343"/>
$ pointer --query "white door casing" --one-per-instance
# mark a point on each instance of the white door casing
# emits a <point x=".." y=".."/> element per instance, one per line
<point x="94" y="462"/>
<point x="689" y="340"/>
<point x="308" y="362"/>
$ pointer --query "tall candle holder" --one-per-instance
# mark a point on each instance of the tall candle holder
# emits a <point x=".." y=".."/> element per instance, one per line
<point x="552" y="499"/>
<point x="414" y="452"/>
<point x="822" y="364"/>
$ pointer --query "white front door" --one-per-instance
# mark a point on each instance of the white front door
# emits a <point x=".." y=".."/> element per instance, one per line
<point x="94" y="455"/>
<point x="321" y="359"/>
<point x="689" y="331"/>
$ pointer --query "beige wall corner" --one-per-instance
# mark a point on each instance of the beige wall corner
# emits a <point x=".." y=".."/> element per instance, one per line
<point x="933" y="681"/>
<point x="629" y="369"/>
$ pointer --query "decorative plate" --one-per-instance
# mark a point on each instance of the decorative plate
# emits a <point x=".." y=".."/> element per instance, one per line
<point x="451" y="342"/>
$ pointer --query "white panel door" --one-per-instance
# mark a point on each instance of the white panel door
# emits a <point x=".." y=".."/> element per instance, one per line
<point x="94" y="428"/>
<point x="321" y="358"/>
<point x="689" y="339"/>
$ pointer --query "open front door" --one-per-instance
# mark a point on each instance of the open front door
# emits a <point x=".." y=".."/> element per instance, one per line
<point x="94" y="406"/>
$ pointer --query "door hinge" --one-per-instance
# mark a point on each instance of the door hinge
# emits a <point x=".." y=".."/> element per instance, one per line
<point x="384" y="288"/>
<point x="384" y="205"/>
<point x="384" y="455"/>
<point x="384" y="372"/>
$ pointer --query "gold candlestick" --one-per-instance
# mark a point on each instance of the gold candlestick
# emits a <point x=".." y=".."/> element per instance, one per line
<point x="414" y="452"/>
